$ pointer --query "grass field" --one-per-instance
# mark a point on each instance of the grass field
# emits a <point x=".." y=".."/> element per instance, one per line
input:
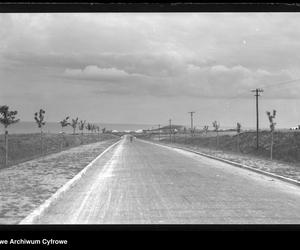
<point x="24" y="147"/>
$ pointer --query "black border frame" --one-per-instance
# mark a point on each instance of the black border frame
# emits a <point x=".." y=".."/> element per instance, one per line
<point x="74" y="233"/>
<point x="92" y="7"/>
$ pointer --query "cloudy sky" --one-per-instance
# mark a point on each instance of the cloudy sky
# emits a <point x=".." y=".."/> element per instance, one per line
<point x="146" y="68"/>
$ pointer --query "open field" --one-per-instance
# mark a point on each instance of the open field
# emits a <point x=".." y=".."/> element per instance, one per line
<point x="24" y="147"/>
<point x="25" y="186"/>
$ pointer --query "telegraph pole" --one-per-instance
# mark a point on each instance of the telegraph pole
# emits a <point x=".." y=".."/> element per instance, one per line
<point x="257" y="91"/>
<point x="170" y="122"/>
<point x="192" y="126"/>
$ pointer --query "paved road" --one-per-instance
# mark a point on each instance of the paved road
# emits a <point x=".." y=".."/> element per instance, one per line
<point x="140" y="182"/>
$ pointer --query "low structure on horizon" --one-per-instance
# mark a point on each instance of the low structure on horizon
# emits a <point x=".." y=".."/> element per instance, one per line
<point x="295" y="128"/>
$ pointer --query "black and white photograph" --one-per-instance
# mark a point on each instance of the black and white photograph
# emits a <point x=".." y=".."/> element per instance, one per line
<point x="149" y="118"/>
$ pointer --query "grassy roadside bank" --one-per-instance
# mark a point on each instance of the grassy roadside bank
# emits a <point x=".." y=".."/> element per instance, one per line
<point x="25" y="186"/>
<point x="24" y="147"/>
<point x="286" y="144"/>
<point x="290" y="169"/>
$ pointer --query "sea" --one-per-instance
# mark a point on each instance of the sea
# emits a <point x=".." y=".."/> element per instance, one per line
<point x="24" y="127"/>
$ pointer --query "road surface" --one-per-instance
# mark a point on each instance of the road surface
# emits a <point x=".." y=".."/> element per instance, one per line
<point x="139" y="183"/>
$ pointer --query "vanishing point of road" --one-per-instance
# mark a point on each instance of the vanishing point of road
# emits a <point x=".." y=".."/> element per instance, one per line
<point x="143" y="183"/>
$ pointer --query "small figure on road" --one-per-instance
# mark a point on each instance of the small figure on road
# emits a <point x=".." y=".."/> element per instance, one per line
<point x="131" y="138"/>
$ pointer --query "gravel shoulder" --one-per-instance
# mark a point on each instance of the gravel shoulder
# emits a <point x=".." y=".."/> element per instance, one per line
<point x="25" y="186"/>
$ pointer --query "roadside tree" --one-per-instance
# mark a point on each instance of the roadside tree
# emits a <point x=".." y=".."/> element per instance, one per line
<point x="88" y="127"/>
<point x="63" y="123"/>
<point x="205" y="129"/>
<point x="7" y="118"/>
<point x="39" y="118"/>
<point x="74" y="125"/>
<point x="81" y="126"/>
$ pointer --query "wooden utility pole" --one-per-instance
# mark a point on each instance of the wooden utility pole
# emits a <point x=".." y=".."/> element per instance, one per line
<point x="192" y="126"/>
<point x="238" y="131"/>
<point x="257" y="91"/>
<point x="158" y="132"/>
<point x="272" y="127"/>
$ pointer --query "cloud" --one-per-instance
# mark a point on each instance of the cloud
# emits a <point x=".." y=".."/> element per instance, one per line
<point x="150" y="64"/>
<point x="169" y="54"/>
<point x="236" y="82"/>
<point x="92" y="72"/>
<point x="217" y="81"/>
<point x="114" y="81"/>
